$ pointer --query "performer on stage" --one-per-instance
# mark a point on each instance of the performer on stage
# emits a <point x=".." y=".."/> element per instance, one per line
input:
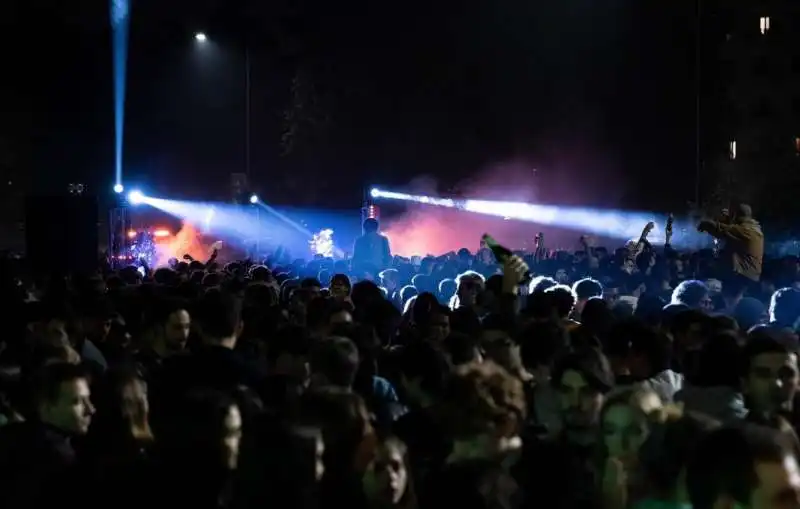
<point x="742" y="241"/>
<point x="371" y="250"/>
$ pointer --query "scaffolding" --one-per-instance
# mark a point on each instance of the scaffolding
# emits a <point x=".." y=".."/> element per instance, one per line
<point x="119" y="224"/>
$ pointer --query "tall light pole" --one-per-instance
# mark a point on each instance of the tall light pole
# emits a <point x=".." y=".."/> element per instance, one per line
<point x="247" y="112"/>
<point x="698" y="104"/>
<point x="202" y="38"/>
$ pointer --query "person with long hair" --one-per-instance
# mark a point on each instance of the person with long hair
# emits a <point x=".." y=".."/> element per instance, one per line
<point x="116" y="449"/>
<point x="349" y="442"/>
<point x="197" y="454"/>
<point x="483" y="410"/>
<point x="388" y="482"/>
<point x="625" y="423"/>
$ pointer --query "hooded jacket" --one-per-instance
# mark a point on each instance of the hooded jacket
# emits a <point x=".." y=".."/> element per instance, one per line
<point x="743" y="248"/>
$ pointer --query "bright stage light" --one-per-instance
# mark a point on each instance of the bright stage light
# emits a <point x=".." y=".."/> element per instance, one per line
<point x="375" y="192"/>
<point x="610" y="223"/>
<point x="118" y="188"/>
<point x="322" y="243"/>
<point x="135" y="197"/>
<point x="253" y="199"/>
<point x="200" y="37"/>
<point x="161" y="233"/>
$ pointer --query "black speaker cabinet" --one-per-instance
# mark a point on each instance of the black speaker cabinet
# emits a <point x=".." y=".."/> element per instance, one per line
<point x="61" y="233"/>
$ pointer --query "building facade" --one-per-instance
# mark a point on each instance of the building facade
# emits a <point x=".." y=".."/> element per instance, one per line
<point x="750" y="102"/>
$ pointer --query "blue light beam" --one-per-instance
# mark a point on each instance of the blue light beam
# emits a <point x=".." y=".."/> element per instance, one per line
<point x="120" y="24"/>
<point x="608" y="223"/>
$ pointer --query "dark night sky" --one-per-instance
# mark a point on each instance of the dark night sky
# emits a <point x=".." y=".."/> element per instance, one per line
<point x="372" y="92"/>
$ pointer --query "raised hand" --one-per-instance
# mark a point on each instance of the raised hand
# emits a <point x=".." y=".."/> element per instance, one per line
<point x="668" y="228"/>
<point x="514" y="271"/>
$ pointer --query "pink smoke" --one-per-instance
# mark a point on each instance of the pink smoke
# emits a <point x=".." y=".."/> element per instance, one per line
<point x="433" y="230"/>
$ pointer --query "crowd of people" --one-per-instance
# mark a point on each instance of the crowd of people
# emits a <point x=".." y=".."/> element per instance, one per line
<point x="643" y="377"/>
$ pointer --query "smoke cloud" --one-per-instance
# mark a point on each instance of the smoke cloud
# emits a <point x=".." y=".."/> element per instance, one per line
<point x="187" y="241"/>
<point x="422" y="229"/>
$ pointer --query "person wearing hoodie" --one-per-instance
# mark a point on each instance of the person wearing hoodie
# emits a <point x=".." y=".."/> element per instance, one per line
<point x="743" y="241"/>
<point x="649" y="360"/>
<point x="715" y="391"/>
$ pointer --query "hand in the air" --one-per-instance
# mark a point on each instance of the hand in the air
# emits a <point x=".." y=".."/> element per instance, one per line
<point x="514" y="269"/>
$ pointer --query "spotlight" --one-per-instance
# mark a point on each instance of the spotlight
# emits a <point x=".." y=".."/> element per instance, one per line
<point x="118" y="188"/>
<point x="200" y="37"/>
<point x="375" y="192"/>
<point x="135" y="197"/>
<point x="253" y="199"/>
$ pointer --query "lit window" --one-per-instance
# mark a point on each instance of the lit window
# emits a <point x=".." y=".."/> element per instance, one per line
<point x="732" y="150"/>
<point x="764" y="24"/>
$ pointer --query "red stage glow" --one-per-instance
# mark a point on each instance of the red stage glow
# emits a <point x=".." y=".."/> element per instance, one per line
<point x="187" y="241"/>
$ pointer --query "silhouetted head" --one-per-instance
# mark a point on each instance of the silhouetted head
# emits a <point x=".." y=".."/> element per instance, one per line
<point x="741" y="211"/>
<point x="370" y="225"/>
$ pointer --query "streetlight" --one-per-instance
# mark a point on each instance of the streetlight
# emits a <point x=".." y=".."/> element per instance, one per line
<point x="200" y="37"/>
<point x="254" y="201"/>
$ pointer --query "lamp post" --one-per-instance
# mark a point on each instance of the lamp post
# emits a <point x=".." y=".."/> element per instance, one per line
<point x="247" y="112"/>
<point x="201" y="39"/>
<point x="698" y="101"/>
